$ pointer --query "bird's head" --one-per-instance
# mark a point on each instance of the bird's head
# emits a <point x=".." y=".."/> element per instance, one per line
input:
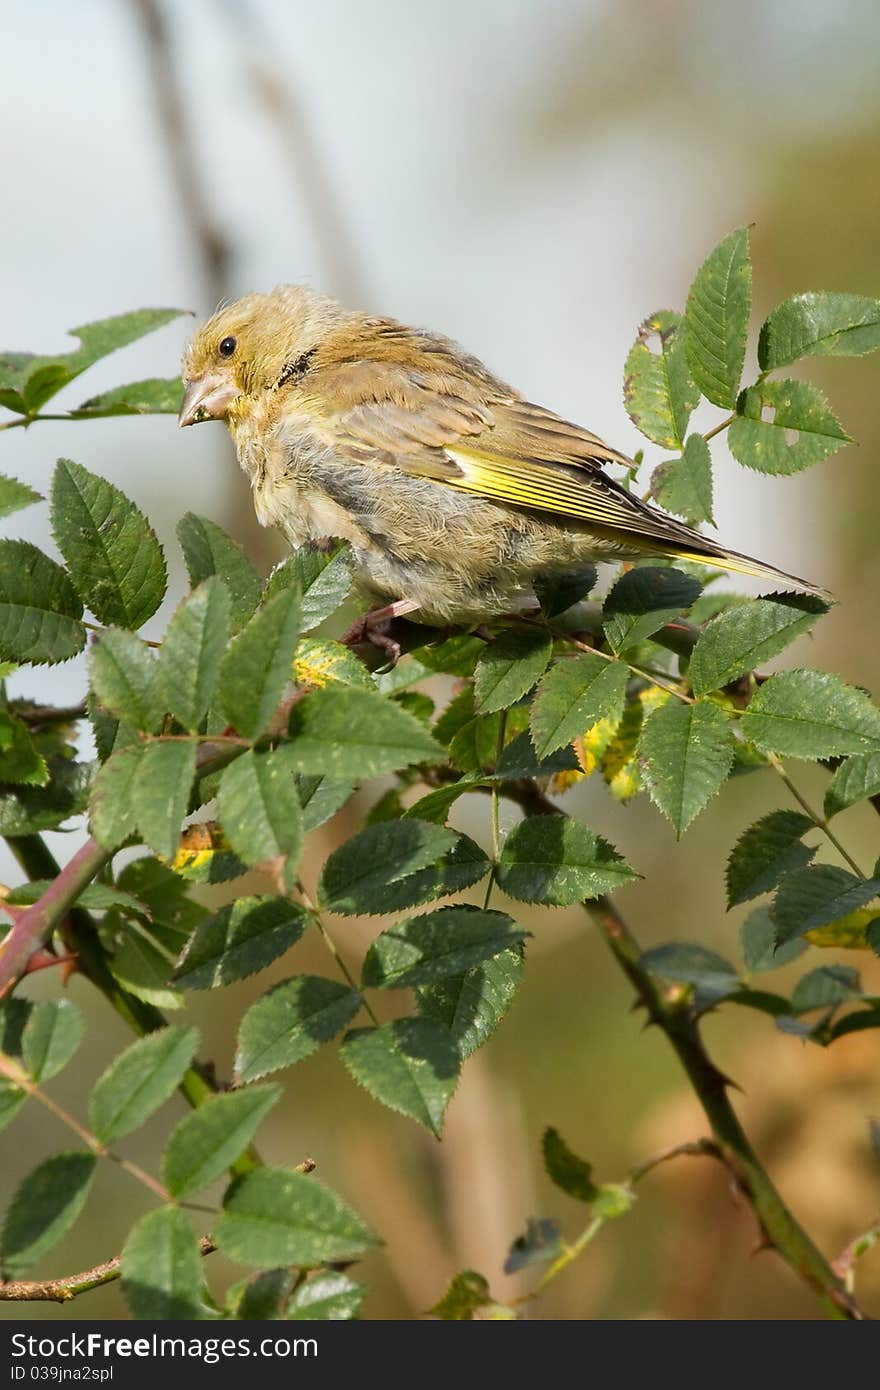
<point x="252" y="346"/>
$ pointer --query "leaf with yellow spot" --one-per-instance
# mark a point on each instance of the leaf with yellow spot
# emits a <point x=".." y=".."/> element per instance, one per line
<point x="618" y="762"/>
<point x="848" y="933"/>
<point x="205" y="856"/>
<point x="589" y="749"/>
<point x="318" y="662"/>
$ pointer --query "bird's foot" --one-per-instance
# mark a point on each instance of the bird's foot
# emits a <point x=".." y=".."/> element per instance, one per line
<point x="372" y="628"/>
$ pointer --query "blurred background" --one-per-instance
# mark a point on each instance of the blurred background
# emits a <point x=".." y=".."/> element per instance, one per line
<point x="532" y="178"/>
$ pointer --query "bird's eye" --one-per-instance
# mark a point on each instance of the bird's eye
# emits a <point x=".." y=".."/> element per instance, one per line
<point x="227" y="347"/>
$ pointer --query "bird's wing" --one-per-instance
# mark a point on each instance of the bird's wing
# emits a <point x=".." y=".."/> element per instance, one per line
<point x="466" y="429"/>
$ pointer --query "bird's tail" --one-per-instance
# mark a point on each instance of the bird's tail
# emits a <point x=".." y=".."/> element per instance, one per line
<point x="706" y="552"/>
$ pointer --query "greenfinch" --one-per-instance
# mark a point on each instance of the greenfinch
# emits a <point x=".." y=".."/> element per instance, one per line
<point x="455" y="493"/>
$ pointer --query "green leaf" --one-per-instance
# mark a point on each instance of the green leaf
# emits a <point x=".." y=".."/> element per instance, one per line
<point x="784" y="426"/>
<point x="684" y="485"/>
<point x="510" y="666"/>
<point x="558" y="861"/>
<point x="329" y="1296"/>
<point x="471" y="1006"/>
<point x="573" y="696"/>
<point x="44" y="1208"/>
<point x="162" y="1274"/>
<point x="765" y="853"/>
<point x="20" y="763"/>
<point x="566" y="1170"/>
<point x="209" y="1140"/>
<point x="321" y="798"/>
<point x="111" y="808"/>
<point x="192" y="650"/>
<point x="855" y="780"/>
<point x="760" y="951"/>
<point x="259" y="809"/>
<point x="15" y="495"/>
<point x="28" y="380"/>
<point x="740" y="639"/>
<point x="817" y="895"/>
<point x="257" y="666"/>
<point x="818" y="325"/>
<point x="658" y="391"/>
<point x="422" y="950"/>
<point x="142" y="964"/>
<point x="812" y="715"/>
<point x="829" y="984"/>
<point x="156" y="396"/>
<point x="409" y="1065"/>
<point x="110" y="548"/>
<point x="240" y="939"/>
<point x="643" y="600"/>
<point x="342" y="732"/>
<point x="291" y="1022"/>
<point x="540" y="1243"/>
<point x="208" y="550"/>
<point x="125" y="679"/>
<point x="51" y="1036"/>
<point x="717" y="319"/>
<point x="26" y="810"/>
<point x="685" y="753"/>
<point x="467" y="1292"/>
<point x="261" y="1297"/>
<point x="398" y="864"/>
<point x="556" y="593"/>
<point x="519" y="760"/>
<point x="139" y="1080"/>
<point x="324" y="579"/>
<point x="276" y="1217"/>
<point x="160" y="793"/>
<point x="688" y="963"/>
<point x="40" y="610"/>
<point x="318" y="661"/>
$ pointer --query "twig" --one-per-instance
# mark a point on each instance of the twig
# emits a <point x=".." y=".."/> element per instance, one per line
<point x="334" y="950"/>
<point x="818" y="821"/>
<point x="63" y="1290"/>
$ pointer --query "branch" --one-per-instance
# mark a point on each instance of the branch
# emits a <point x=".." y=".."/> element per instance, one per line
<point x="63" y="1290"/>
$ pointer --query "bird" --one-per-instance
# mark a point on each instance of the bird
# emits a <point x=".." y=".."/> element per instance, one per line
<point x="455" y="493"/>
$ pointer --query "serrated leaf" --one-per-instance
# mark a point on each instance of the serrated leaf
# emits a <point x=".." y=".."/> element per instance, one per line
<point x="205" y="1143"/>
<point x="203" y="854"/>
<point x="519" y="760"/>
<point x="740" y="639"/>
<point x="111" y="810"/>
<point x="20" y="763"/>
<point x="658" y="391"/>
<point x="760" y="951"/>
<point x="347" y="733"/>
<point x="110" y="548"/>
<point x="540" y="1243"/>
<point x="192" y="650"/>
<point x="40" y="610"/>
<point x="784" y="426"/>
<point x="15" y="495"/>
<point x="142" y="963"/>
<point x="467" y="1292"/>
<point x="398" y="864"/>
<point x="259" y="809"/>
<point x="291" y="1022"/>
<point x="556" y="593"/>
<point x="260" y="1298"/>
<point x="471" y="1006"/>
<point x="162" y="1275"/>
<point x="51" y="1036"/>
<point x="717" y="319"/>
<point x="685" y="753"/>
<point x="573" y="696"/>
<point x="208" y="550"/>
<point x="240" y="939"/>
<point x="26" y="810"/>
<point x="409" y="1065"/>
<point x="643" y="600"/>
<point x="765" y="853"/>
<point x="816" y="895"/>
<point x="329" y="1296"/>
<point x="827" y="985"/>
<point x="276" y="1217"/>
<point x="321" y="798"/>
<point x="558" y="861"/>
<point x="44" y="1207"/>
<point x="160" y="792"/>
<point x="857" y="779"/>
<point x="819" y="324"/>
<point x="812" y="715"/>
<point x="125" y="679"/>
<point x="155" y="396"/>
<point x="686" y="962"/>
<point x="510" y="667"/>
<point x="257" y="666"/>
<point x="139" y="1080"/>
<point x="423" y="950"/>
<point x="319" y="661"/>
<point x="566" y="1170"/>
<point x="684" y="485"/>
<point x="324" y="580"/>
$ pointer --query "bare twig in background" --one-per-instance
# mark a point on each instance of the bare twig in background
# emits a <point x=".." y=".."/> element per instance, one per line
<point x="211" y="242"/>
<point x="309" y="177"/>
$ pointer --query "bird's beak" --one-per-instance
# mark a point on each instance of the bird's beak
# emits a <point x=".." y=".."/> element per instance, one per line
<point x="206" y="398"/>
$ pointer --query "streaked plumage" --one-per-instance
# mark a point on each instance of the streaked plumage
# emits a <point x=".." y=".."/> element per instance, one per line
<point x="454" y="491"/>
